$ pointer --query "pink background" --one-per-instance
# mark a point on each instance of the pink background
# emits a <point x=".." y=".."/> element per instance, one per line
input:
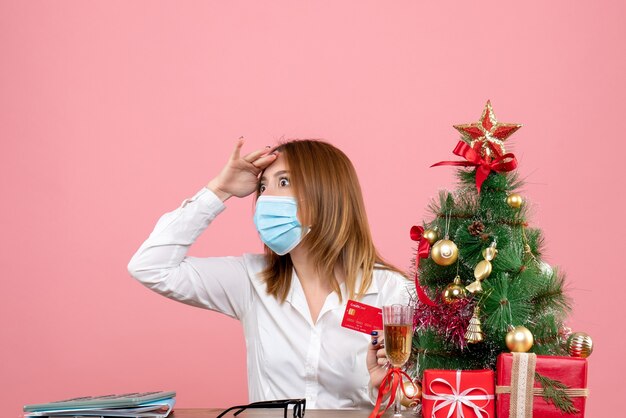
<point x="113" y="112"/>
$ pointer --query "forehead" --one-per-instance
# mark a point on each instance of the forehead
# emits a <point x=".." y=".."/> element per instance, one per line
<point x="277" y="166"/>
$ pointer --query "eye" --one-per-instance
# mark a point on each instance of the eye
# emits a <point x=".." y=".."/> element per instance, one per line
<point x="283" y="182"/>
<point x="262" y="188"/>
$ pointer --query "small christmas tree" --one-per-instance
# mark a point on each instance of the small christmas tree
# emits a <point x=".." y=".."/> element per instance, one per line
<point x="482" y="287"/>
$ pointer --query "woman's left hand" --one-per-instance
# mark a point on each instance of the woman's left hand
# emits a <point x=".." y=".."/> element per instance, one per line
<point x="377" y="359"/>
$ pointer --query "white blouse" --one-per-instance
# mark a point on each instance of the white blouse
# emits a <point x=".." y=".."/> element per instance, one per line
<point x="288" y="355"/>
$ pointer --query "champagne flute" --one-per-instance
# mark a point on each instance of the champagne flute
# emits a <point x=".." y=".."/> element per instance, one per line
<point x="398" y="330"/>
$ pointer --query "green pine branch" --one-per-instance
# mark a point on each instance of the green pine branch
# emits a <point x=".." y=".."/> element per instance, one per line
<point x="471" y="243"/>
<point x="545" y="330"/>
<point x="505" y="303"/>
<point x="535" y="241"/>
<point x="498" y="182"/>
<point x="509" y="258"/>
<point x="551" y="296"/>
<point x="554" y="393"/>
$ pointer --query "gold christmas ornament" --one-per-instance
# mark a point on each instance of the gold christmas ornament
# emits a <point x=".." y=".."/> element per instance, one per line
<point x="444" y="252"/>
<point x="414" y="390"/>
<point x="579" y="344"/>
<point x="490" y="253"/>
<point x="431" y="235"/>
<point x="454" y="291"/>
<point x="474" y="333"/>
<point x="474" y="287"/>
<point x="514" y="200"/>
<point x="519" y="339"/>
<point x="482" y="270"/>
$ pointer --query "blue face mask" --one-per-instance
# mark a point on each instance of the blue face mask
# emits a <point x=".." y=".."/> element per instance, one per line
<point x="276" y="221"/>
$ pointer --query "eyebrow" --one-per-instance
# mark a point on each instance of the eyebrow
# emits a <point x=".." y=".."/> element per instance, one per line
<point x="276" y="174"/>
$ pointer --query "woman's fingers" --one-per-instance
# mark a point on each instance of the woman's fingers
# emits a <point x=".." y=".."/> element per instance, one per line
<point x="263" y="162"/>
<point x="378" y="347"/>
<point x="235" y="155"/>
<point x="260" y="158"/>
<point x="377" y="339"/>
<point x="381" y="357"/>
<point x="378" y="344"/>
<point x="256" y="154"/>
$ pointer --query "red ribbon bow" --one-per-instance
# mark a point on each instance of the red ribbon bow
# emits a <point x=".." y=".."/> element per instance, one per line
<point x="506" y="162"/>
<point x="423" y="248"/>
<point x="390" y="384"/>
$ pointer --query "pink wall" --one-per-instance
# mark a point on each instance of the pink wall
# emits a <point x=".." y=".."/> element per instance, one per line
<point x="112" y="112"/>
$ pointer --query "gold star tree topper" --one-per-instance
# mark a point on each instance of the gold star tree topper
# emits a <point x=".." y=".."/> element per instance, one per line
<point x="487" y="136"/>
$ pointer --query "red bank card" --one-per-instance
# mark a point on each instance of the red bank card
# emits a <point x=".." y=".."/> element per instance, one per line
<point x="361" y="317"/>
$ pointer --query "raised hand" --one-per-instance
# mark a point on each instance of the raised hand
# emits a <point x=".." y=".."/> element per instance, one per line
<point x="239" y="177"/>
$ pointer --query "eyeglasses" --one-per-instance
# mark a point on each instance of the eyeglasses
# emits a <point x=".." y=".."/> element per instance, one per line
<point x="299" y="406"/>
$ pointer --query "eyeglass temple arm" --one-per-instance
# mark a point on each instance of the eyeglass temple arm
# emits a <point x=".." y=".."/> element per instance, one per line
<point x="240" y="407"/>
<point x="266" y="405"/>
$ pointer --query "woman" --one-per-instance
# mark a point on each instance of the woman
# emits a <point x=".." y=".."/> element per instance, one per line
<point x="318" y="254"/>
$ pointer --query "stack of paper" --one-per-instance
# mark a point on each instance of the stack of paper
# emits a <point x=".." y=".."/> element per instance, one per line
<point x="139" y="405"/>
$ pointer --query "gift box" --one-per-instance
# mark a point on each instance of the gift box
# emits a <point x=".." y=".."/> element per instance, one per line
<point x="458" y="393"/>
<point x="521" y="385"/>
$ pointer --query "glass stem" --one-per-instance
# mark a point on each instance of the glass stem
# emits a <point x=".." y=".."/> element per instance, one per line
<point x="396" y="404"/>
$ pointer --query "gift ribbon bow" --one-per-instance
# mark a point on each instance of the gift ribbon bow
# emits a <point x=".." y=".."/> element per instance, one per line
<point x="390" y="384"/>
<point x="423" y="248"/>
<point x="457" y="399"/>
<point x="506" y="162"/>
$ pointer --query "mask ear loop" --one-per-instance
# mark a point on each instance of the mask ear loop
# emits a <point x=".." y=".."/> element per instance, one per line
<point x="305" y="228"/>
<point x="300" y="203"/>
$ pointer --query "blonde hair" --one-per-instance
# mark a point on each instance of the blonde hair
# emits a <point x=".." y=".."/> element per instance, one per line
<point x="329" y="197"/>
